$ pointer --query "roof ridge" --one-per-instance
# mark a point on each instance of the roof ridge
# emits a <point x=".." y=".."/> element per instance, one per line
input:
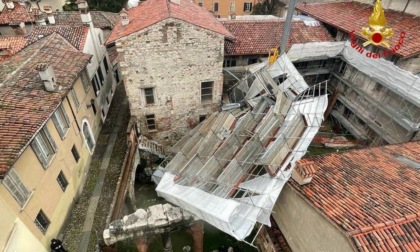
<point x="384" y="225"/>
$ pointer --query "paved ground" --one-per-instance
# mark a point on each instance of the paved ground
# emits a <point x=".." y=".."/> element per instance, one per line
<point x="89" y="214"/>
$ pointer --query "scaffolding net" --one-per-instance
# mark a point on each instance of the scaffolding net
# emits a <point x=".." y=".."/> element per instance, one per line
<point x="230" y="169"/>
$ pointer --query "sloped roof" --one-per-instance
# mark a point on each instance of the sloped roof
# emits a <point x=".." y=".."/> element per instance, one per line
<point x="24" y="104"/>
<point x="370" y="195"/>
<point x="19" y="13"/>
<point x="15" y="43"/>
<point x="76" y="35"/>
<point x="349" y="16"/>
<point x="259" y="36"/>
<point x="154" y="11"/>
<point x="100" y="19"/>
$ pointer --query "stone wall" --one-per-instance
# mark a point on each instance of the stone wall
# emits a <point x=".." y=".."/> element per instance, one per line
<point x="172" y="57"/>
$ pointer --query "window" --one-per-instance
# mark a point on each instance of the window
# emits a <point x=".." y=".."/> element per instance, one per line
<point x="106" y="65"/>
<point x="42" y="221"/>
<point x="107" y="99"/>
<point x="247" y="7"/>
<point x="75" y="99"/>
<point x="88" y="136"/>
<point x="149" y="96"/>
<point x="101" y="76"/>
<point x="62" y="181"/>
<point x="151" y="123"/>
<point x="85" y="82"/>
<point x="207" y="91"/>
<point x="117" y="76"/>
<point x="95" y="84"/>
<point x="103" y="113"/>
<point x="44" y="147"/>
<point x="232" y="7"/>
<point x="75" y="153"/>
<point x="216" y="7"/>
<point x="61" y="121"/>
<point x="14" y="185"/>
<point x="92" y="104"/>
<point x="229" y="63"/>
<point x="200" y="4"/>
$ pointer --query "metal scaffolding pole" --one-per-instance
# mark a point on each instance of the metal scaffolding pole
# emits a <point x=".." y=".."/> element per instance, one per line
<point x="287" y="26"/>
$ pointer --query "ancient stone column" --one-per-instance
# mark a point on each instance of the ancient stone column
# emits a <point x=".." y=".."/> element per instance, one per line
<point x="166" y="241"/>
<point x="142" y="244"/>
<point x="198" y="235"/>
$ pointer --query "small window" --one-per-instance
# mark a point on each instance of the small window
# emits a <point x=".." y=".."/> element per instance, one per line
<point x="232" y="7"/>
<point x="75" y="153"/>
<point x="107" y="100"/>
<point x="61" y="121"/>
<point x="101" y="76"/>
<point x="216" y="7"/>
<point x="247" y="7"/>
<point x="85" y="81"/>
<point x="88" y="136"/>
<point x="75" y="99"/>
<point x="207" y="91"/>
<point x="229" y="63"/>
<point x="62" y="181"/>
<point x="103" y="113"/>
<point x="200" y="4"/>
<point x="14" y="185"/>
<point x="202" y="118"/>
<point x="92" y="104"/>
<point x="42" y="222"/>
<point x="96" y="85"/>
<point x="149" y="96"/>
<point x="44" y="147"/>
<point x="151" y="122"/>
<point x="117" y="76"/>
<point x="106" y="65"/>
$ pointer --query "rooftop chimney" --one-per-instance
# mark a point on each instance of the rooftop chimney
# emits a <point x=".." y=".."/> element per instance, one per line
<point x="46" y="73"/>
<point x="84" y="11"/>
<point x="124" y="17"/>
<point x="303" y="172"/>
<point x="18" y="26"/>
<point x="39" y="17"/>
<point x="10" y="5"/>
<point x="50" y="14"/>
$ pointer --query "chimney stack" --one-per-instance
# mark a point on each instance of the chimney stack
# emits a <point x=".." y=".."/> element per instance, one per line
<point x="46" y="73"/>
<point x="84" y="11"/>
<point x="39" y="17"/>
<point x="50" y="14"/>
<point x="10" y="5"/>
<point x="124" y="17"/>
<point x="18" y="26"/>
<point x="303" y="172"/>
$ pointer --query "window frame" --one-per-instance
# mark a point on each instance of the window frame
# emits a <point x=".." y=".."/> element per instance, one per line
<point x="91" y="136"/>
<point x="41" y="140"/>
<point x="149" y="96"/>
<point x="62" y="181"/>
<point x="75" y="99"/>
<point x="246" y="5"/>
<point x="14" y="185"/>
<point x="41" y="225"/>
<point x="106" y="66"/>
<point x="232" y="7"/>
<point x="75" y="153"/>
<point x="207" y="100"/>
<point x="216" y="7"/>
<point x="149" y="118"/>
<point x="61" y="121"/>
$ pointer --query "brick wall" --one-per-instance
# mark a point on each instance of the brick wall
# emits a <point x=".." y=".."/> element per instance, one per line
<point x="172" y="57"/>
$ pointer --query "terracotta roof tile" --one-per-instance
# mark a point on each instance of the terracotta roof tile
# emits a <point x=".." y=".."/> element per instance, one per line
<point x="154" y="11"/>
<point x="19" y="13"/>
<point x="76" y="35"/>
<point x="100" y="19"/>
<point x="15" y="43"/>
<point x="369" y="193"/>
<point x="349" y="16"/>
<point x="259" y="36"/>
<point x="25" y="105"/>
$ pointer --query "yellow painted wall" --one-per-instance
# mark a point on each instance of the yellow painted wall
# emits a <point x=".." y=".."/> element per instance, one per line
<point x="47" y="194"/>
<point x="224" y="6"/>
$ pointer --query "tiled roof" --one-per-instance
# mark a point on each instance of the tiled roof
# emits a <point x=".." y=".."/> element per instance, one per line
<point x="15" y="43"/>
<point x="19" y="13"/>
<point x="24" y="104"/>
<point x="370" y="195"/>
<point x="259" y="36"/>
<point x="349" y="16"/>
<point x="154" y="11"/>
<point x="100" y="19"/>
<point x="76" y="35"/>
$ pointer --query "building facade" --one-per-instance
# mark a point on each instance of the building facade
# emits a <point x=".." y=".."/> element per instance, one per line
<point x="171" y="65"/>
<point x="224" y="9"/>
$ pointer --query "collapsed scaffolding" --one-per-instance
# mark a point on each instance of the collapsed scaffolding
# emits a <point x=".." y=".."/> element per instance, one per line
<point x="230" y="169"/>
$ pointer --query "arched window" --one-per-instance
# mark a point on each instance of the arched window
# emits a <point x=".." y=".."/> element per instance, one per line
<point x="88" y="136"/>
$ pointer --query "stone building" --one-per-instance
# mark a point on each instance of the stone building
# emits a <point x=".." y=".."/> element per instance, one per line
<point x="360" y="200"/>
<point x="171" y="56"/>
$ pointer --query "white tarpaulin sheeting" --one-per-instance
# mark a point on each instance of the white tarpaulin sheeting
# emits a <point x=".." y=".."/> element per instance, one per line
<point x="315" y="50"/>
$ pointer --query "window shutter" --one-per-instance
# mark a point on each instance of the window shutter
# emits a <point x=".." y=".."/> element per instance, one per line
<point x="15" y="186"/>
<point x="38" y="153"/>
<point x="250" y="7"/>
<point x="50" y="139"/>
<point x="65" y="115"/>
<point x="57" y="125"/>
<point x="245" y="7"/>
